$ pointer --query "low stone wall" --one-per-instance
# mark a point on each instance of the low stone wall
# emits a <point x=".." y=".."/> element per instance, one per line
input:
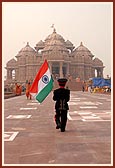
<point x="9" y="95"/>
<point x="6" y="96"/>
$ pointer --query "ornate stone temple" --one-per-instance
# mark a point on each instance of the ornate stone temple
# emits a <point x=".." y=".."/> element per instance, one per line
<point x="63" y="58"/>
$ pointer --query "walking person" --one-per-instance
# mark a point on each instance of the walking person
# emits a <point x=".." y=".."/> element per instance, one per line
<point x="83" y="86"/>
<point x="61" y="96"/>
<point x="28" y="95"/>
<point x="18" y="89"/>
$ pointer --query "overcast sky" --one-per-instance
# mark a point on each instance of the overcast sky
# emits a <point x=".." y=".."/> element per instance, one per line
<point x="89" y="22"/>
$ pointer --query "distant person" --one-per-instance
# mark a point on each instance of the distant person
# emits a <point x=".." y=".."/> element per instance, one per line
<point x="18" y="89"/>
<point x="91" y="89"/>
<point x="61" y="96"/>
<point x="28" y="95"/>
<point x="83" y="86"/>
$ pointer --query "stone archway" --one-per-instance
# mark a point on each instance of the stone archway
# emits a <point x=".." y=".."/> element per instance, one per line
<point x="99" y="72"/>
<point x="11" y="74"/>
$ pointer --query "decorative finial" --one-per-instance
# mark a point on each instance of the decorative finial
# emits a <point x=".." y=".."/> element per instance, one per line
<point x="81" y="44"/>
<point x="27" y="43"/>
<point x="54" y="30"/>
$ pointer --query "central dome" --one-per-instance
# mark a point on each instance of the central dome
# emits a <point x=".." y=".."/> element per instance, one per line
<point x="54" y="36"/>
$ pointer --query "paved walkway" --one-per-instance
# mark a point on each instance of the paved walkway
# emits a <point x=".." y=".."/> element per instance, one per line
<point x="30" y="136"/>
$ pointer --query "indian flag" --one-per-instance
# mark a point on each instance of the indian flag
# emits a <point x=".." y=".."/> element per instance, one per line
<point x="43" y="83"/>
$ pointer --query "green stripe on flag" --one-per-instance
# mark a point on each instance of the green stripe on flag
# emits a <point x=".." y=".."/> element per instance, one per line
<point x="45" y="91"/>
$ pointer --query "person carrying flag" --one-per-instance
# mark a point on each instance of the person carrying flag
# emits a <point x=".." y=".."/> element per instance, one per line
<point x="61" y="96"/>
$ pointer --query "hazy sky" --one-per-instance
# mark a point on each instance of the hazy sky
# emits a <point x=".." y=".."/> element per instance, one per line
<point x="89" y="22"/>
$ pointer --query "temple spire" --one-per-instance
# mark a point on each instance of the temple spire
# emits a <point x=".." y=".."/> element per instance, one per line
<point x="81" y="44"/>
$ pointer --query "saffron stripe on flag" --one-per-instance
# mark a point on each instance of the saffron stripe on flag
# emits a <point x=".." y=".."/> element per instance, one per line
<point x="42" y="70"/>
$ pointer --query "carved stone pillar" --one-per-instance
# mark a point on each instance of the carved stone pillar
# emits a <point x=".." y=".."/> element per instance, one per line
<point x="61" y="70"/>
<point x="99" y="72"/>
<point x="50" y="66"/>
<point x="9" y="74"/>
<point x="67" y="73"/>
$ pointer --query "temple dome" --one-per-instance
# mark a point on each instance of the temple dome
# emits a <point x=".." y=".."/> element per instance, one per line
<point x="12" y="62"/>
<point x="27" y="48"/>
<point x="39" y="45"/>
<point x="55" y="46"/>
<point x="97" y="62"/>
<point x="69" y="45"/>
<point x="52" y="44"/>
<point x="82" y="47"/>
<point x="55" y="42"/>
<point x="54" y="36"/>
<point x="82" y="50"/>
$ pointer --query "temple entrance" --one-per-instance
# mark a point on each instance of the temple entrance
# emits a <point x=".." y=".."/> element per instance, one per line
<point x="55" y="70"/>
<point x="64" y="71"/>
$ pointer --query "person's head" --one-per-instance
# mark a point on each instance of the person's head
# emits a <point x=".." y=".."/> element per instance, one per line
<point x="62" y="82"/>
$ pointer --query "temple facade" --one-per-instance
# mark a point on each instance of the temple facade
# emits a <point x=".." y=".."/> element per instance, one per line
<point x="63" y="58"/>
